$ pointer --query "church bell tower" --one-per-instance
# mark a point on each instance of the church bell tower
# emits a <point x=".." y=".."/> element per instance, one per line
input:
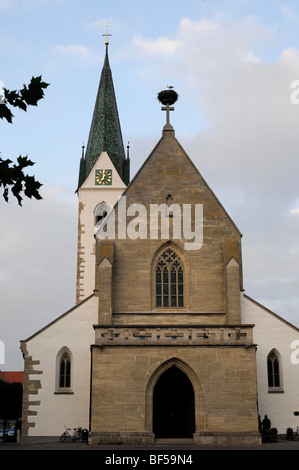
<point x="104" y="174"/>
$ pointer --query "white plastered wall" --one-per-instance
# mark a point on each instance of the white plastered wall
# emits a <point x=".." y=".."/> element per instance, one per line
<point x="272" y="332"/>
<point x="73" y="330"/>
<point x="91" y="195"/>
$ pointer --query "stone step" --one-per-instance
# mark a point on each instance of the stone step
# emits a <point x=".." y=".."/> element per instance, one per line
<point x="174" y="441"/>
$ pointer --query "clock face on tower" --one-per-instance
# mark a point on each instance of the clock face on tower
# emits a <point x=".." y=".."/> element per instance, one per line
<point x="103" y="177"/>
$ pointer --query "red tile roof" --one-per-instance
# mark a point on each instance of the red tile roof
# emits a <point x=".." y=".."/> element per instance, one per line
<point x="11" y="377"/>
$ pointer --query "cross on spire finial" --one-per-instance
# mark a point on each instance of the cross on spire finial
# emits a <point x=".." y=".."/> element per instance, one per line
<point x="107" y="42"/>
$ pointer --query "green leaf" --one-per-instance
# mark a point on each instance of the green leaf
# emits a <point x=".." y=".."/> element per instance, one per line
<point x="5" y="113"/>
<point x="23" y="161"/>
<point x="34" y="92"/>
<point x="28" y="96"/>
<point x="31" y="187"/>
<point x="13" y="178"/>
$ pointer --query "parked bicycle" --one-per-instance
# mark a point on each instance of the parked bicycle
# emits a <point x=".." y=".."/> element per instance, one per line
<point x="76" y="436"/>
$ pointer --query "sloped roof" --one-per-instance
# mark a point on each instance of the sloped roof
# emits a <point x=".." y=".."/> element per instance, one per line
<point x="12" y="376"/>
<point x="273" y="314"/>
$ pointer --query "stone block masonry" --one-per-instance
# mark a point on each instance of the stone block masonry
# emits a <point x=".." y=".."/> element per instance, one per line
<point x="124" y="378"/>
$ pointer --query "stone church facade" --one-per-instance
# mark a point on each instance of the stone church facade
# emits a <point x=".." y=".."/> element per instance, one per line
<point x="162" y="342"/>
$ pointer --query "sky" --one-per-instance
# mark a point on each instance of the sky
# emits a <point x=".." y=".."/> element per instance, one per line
<point x="234" y="64"/>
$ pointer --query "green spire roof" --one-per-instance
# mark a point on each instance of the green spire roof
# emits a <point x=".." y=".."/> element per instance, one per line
<point x="105" y="132"/>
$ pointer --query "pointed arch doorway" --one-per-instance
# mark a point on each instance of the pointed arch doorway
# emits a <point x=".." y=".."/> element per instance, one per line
<point x="173" y="405"/>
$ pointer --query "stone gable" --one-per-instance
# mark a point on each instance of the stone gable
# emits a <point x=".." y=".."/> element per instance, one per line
<point x="169" y="172"/>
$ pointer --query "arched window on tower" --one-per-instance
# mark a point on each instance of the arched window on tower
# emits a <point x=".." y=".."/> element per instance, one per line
<point x="274" y="371"/>
<point x="169" y="280"/>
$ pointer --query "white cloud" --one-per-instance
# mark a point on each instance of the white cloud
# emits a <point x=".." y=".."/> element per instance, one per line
<point x="188" y="26"/>
<point x="294" y="211"/>
<point x="38" y="256"/>
<point x="250" y="56"/>
<point x="161" y="46"/>
<point x="5" y="4"/>
<point x="98" y="25"/>
<point x="72" y="54"/>
<point x="27" y="4"/>
<point x="73" y="50"/>
<point x="247" y="150"/>
<point x="288" y="12"/>
<point x="207" y="52"/>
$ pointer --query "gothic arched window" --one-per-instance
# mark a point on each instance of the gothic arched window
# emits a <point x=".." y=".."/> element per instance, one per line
<point x="273" y="368"/>
<point x="65" y="371"/>
<point x="169" y="280"/>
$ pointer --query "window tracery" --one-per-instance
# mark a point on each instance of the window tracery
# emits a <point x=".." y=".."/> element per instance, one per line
<point x="273" y="368"/>
<point x="65" y="371"/>
<point x="169" y="280"/>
